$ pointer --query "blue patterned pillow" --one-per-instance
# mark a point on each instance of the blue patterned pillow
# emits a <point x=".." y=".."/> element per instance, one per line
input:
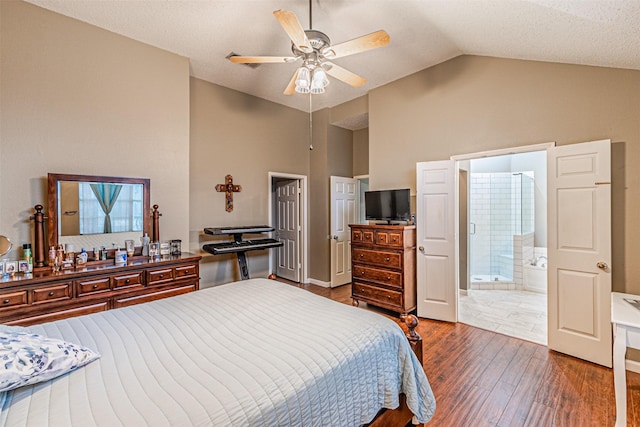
<point x="27" y="358"/>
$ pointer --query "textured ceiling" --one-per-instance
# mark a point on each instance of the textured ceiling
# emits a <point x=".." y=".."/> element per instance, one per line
<point x="423" y="33"/>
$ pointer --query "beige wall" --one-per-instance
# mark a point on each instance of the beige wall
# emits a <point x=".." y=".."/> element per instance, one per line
<point x="340" y="152"/>
<point x="361" y="152"/>
<point x="78" y="99"/>
<point x="471" y="104"/>
<point x="247" y="137"/>
<point x="319" y="267"/>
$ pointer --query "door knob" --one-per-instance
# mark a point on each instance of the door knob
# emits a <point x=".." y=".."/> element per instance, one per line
<point x="334" y="237"/>
<point x="602" y="265"/>
<point x="421" y="248"/>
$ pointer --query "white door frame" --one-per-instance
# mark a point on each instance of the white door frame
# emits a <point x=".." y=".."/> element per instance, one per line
<point x="304" y="219"/>
<point x="545" y="146"/>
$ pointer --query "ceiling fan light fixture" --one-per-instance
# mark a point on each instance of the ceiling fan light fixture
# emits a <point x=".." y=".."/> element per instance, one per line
<point x="303" y="81"/>
<point x="319" y="81"/>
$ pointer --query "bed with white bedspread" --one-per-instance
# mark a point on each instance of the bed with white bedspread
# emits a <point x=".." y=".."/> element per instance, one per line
<point x="249" y="353"/>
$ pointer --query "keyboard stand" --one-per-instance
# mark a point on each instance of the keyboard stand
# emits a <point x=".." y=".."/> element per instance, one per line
<point x="239" y="246"/>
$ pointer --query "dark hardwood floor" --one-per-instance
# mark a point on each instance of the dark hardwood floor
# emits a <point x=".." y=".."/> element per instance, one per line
<point x="481" y="378"/>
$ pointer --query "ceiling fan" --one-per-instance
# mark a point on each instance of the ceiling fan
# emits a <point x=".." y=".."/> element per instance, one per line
<point x="315" y="50"/>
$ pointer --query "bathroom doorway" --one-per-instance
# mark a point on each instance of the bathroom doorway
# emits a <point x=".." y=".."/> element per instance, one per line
<point x="502" y="284"/>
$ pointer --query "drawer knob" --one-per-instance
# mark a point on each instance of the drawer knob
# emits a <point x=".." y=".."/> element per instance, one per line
<point x="5" y="301"/>
<point x="127" y="281"/>
<point x="94" y="287"/>
<point x="361" y="290"/>
<point x="362" y="273"/>
<point x="388" y="259"/>
<point x="388" y="277"/>
<point x="361" y="255"/>
<point x="388" y="297"/>
<point x="51" y="293"/>
<point x="161" y="276"/>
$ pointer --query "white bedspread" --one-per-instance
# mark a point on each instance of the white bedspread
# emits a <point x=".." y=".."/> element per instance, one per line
<point x="250" y="353"/>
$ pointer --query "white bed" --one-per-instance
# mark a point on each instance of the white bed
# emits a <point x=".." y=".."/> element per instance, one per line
<point x="249" y="353"/>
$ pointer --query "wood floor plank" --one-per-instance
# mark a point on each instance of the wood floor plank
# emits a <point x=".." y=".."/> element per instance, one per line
<point x="481" y="378"/>
<point x="493" y="407"/>
<point x="519" y="406"/>
<point x="498" y="365"/>
<point x="540" y="416"/>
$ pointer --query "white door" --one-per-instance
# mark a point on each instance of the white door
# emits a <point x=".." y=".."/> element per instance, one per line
<point x="435" y="218"/>
<point x="343" y="212"/>
<point x="579" y="250"/>
<point x="288" y="229"/>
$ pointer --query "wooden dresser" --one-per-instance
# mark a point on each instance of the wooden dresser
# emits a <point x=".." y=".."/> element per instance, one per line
<point x="44" y="295"/>
<point x="383" y="259"/>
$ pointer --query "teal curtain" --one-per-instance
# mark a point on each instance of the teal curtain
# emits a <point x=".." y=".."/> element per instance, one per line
<point x="107" y="194"/>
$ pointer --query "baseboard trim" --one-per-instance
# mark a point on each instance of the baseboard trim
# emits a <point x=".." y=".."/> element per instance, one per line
<point x="632" y="365"/>
<point x="319" y="283"/>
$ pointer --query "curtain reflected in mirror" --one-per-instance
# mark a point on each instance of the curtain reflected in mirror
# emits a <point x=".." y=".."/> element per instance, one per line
<point x="97" y="208"/>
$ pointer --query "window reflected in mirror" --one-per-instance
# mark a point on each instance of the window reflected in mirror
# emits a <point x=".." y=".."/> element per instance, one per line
<point x="99" y="207"/>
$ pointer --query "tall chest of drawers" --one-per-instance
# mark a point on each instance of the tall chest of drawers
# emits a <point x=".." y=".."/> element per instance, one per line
<point x="383" y="259"/>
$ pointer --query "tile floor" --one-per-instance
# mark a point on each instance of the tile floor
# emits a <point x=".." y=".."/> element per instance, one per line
<point x="519" y="314"/>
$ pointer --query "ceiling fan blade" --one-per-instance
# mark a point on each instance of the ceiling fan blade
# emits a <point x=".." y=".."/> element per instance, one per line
<point x="291" y="87"/>
<point x="357" y="45"/>
<point x="289" y="22"/>
<point x="261" y="59"/>
<point x="345" y="75"/>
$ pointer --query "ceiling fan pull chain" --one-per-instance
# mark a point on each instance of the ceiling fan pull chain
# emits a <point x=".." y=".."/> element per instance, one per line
<point x="310" y="124"/>
<point x="310" y="16"/>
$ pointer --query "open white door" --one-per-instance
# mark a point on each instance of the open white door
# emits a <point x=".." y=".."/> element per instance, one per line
<point x="435" y="217"/>
<point x="288" y="229"/>
<point x="579" y="250"/>
<point x="343" y="212"/>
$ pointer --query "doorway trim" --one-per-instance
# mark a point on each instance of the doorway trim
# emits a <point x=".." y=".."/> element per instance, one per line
<point x="457" y="162"/>
<point x="505" y="151"/>
<point x="303" y="215"/>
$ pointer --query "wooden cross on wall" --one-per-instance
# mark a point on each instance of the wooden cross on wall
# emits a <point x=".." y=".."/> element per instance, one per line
<point x="228" y="188"/>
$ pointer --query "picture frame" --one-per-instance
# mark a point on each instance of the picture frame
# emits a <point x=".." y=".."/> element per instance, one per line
<point x="154" y="249"/>
<point x="23" y="266"/>
<point x="10" y="267"/>
<point x="1" y="268"/>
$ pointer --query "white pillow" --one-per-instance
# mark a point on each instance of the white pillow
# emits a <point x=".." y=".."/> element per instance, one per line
<point x="27" y="358"/>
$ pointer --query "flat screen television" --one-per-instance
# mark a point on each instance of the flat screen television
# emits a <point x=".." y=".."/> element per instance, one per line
<point x="387" y="205"/>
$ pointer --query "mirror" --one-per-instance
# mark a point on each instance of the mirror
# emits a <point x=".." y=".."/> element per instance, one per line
<point x="93" y="211"/>
<point x="5" y="245"/>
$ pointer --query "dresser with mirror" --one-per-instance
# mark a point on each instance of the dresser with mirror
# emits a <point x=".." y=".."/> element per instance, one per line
<point x="87" y="212"/>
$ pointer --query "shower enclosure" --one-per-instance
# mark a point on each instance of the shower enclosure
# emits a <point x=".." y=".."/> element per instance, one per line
<point x="501" y="226"/>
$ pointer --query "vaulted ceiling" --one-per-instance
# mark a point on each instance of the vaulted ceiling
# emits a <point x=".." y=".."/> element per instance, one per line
<point x="422" y="33"/>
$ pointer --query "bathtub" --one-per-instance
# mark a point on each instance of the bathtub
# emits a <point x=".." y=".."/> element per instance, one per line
<point x="535" y="278"/>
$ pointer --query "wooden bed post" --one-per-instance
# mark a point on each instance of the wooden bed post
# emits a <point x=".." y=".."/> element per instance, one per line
<point x="415" y="340"/>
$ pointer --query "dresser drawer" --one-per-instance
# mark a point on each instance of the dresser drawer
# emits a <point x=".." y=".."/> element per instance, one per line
<point x="52" y="293"/>
<point x="389" y="238"/>
<point x="186" y="271"/>
<point x="386" y="277"/>
<point x="159" y="276"/>
<point x="362" y="236"/>
<point x="385" y="259"/>
<point x="92" y="286"/>
<point x="127" y="280"/>
<point x="374" y="294"/>
<point x="13" y="299"/>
